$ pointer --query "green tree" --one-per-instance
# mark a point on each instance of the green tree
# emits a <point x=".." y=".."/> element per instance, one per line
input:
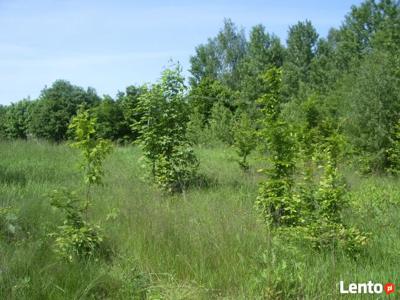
<point x="324" y="73"/>
<point x="264" y="51"/>
<point x="301" y="49"/>
<point x="209" y="92"/>
<point x="371" y="25"/>
<point x="221" y="124"/>
<point x="275" y="199"/>
<point x="77" y="237"/>
<point x="162" y="132"/>
<point x="372" y="107"/>
<point x="55" y="108"/>
<point x="3" y="111"/>
<point x="110" y="123"/>
<point x="220" y="57"/>
<point x="127" y="103"/>
<point x="17" y="119"/>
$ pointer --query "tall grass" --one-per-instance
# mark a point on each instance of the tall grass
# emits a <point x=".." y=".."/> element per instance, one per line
<point x="206" y="245"/>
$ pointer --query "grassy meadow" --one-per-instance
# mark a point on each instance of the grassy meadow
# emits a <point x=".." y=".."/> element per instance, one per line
<point x="205" y="244"/>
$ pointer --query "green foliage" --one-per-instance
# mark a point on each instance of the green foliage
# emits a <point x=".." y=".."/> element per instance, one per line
<point x="175" y="172"/>
<point x="329" y="197"/>
<point x="76" y="238"/>
<point x="127" y="103"/>
<point x="275" y="199"/>
<point x="324" y="73"/>
<point x="94" y="150"/>
<point x="55" y="108"/>
<point x="245" y="138"/>
<point x="162" y="129"/>
<point x="372" y="108"/>
<point x="207" y="94"/>
<point x="17" y="119"/>
<point x="393" y="153"/>
<point x="221" y="122"/>
<point x="264" y="51"/>
<point x="302" y="40"/>
<point x="326" y="235"/>
<point x="220" y="57"/>
<point x="196" y="132"/>
<point x="110" y="120"/>
<point x="370" y="25"/>
<point x="312" y="210"/>
<point x="3" y="111"/>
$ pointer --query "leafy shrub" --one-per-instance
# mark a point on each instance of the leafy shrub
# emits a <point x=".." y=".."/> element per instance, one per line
<point x="72" y="242"/>
<point x="324" y="234"/>
<point x="162" y="128"/>
<point x="94" y="150"/>
<point x="329" y="197"/>
<point x="17" y="119"/>
<point x="76" y="238"/>
<point x="175" y="173"/>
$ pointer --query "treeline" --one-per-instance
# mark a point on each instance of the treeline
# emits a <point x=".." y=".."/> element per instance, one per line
<point x="347" y="85"/>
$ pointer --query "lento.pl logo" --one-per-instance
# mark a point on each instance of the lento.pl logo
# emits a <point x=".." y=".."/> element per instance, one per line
<point x="366" y="288"/>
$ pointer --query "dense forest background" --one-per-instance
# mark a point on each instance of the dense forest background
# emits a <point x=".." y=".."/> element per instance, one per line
<point x="347" y="82"/>
<point x="271" y="172"/>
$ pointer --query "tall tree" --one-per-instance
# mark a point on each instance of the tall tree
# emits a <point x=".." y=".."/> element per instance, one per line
<point x="301" y="49"/>
<point x="323" y="70"/>
<point x="264" y="52"/>
<point x="370" y="25"/>
<point x="372" y="106"/>
<point x="127" y="103"/>
<point x="56" y="106"/>
<point x="220" y="57"/>
<point x="162" y="127"/>
<point x="17" y="119"/>
<point x="207" y="94"/>
<point x="110" y="123"/>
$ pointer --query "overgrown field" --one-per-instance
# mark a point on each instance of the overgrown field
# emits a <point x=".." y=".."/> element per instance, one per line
<point x="207" y="243"/>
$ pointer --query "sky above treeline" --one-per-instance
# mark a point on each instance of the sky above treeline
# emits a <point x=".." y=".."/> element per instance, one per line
<point x="109" y="45"/>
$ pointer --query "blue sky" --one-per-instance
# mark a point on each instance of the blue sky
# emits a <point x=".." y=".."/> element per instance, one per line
<point x="109" y="45"/>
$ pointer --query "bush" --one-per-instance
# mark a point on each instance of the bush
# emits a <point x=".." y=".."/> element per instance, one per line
<point x="175" y="173"/>
<point x="17" y="119"/>
<point x="75" y="239"/>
